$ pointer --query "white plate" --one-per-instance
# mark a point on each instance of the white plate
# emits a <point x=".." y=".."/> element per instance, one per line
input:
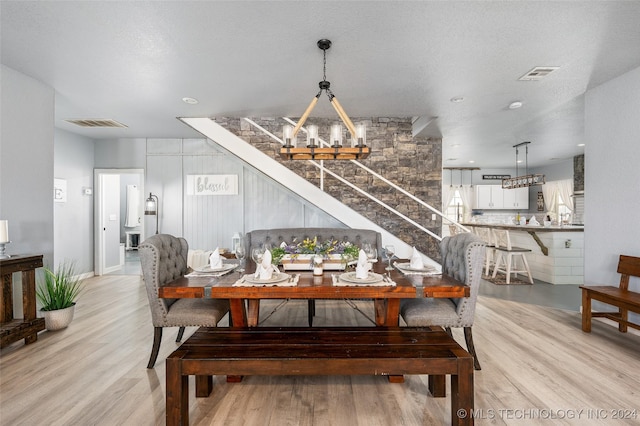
<point x="275" y="278"/>
<point x="208" y="268"/>
<point x="350" y="277"/>
<point x="407" y="267"/>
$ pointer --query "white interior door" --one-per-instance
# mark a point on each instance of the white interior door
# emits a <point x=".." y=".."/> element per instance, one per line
<point x="107" y="218"/>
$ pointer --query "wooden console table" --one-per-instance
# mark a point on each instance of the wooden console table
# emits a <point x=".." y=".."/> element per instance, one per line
<point x="12" y="330"/>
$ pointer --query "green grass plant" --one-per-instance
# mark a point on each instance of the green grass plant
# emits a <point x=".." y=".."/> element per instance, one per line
<point x="59" y="289"/>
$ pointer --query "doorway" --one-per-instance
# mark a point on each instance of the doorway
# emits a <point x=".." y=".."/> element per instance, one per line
<point x="119" y="200"/>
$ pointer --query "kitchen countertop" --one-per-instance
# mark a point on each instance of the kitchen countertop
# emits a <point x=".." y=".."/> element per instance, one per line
<point x="528" y="228"/>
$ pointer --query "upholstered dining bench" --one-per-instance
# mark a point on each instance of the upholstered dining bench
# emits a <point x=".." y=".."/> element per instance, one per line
<point x="319" y="351"/>
<point x="276" y="236"/>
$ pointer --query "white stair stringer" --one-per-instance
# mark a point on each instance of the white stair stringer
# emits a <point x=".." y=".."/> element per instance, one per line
<point x="300" y="186"/>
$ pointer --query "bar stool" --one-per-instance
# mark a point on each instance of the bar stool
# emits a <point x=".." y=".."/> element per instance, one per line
<point x="487" y="236"/>
<point x="505" y="254"/>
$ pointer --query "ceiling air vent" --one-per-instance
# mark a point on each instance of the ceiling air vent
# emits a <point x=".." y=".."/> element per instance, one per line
<point x="538" y="73"/>
<point x="97" y="122"/>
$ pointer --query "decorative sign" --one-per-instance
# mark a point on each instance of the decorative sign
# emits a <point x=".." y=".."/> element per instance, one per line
<point x="540" y="201"/>
<point x="212" y="184"/>
<point x="495" y="177"/>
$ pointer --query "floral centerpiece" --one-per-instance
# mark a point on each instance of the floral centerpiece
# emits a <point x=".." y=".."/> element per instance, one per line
<point x="334" y="252"/>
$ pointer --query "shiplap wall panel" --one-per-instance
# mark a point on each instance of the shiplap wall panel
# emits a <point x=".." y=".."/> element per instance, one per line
<point x="209" y="221"/>
<point x="164" y="179"/>
<point x="268" y="204"/>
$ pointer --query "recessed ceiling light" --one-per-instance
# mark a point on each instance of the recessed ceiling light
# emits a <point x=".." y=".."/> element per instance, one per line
<point x="190" y="101"/>
<point x="580" y="144"/>
<point x="515" y="105"/>
<point x="519" y="161"/>
<point x="472" y="161"/>
<point x="457" y="99"/>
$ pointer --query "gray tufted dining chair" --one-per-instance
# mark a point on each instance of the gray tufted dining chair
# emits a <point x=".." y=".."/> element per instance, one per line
<point x="462" y="258"/>
<point x="163" y="259"/>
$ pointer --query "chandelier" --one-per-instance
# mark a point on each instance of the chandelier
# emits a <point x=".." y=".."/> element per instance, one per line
<point x="526" y="180"/>
<point x="335" y="150"/>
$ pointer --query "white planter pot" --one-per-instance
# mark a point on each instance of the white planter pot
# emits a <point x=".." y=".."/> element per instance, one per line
<point x="58" y="319"/>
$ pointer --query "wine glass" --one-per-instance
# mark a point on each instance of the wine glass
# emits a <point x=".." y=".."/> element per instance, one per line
<point x="240" y="253"/>
<point x="370" y="251"/>
<point x="257" y="254"/>
<point x="389" y="252"/>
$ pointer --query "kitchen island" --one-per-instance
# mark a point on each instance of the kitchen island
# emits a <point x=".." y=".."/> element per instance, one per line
<point x="557" y="252"/>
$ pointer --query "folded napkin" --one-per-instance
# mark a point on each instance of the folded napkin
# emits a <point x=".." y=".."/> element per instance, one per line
<point x="215" y="260"/>
<point x="283" y="245"/>
<point x="416" y="260"/>
<point x="265" y="269"/>
<point x="533" y="221"/>
<point x="362" y="267"/>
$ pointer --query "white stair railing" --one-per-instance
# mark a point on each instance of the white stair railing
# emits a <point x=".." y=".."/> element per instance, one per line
<point x="376" y="175"/>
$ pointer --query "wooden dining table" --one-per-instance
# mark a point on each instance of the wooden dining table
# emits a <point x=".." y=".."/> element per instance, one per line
<point x="245" y="301"/>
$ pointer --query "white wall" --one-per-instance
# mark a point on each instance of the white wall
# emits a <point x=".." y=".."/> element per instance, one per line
<point x="26" y="163"/>
<point x="73" y="220"/>
<point x="612" y="177"/>
<point x="120" y="153"/>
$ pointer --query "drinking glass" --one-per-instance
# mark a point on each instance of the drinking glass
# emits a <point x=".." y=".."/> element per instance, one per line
<point x="370" y="251"/>
<point x="366" y="247"/>
<point x="240" y="253"/>
<point x="256" y="255"/>
<point x="389" y="252"/>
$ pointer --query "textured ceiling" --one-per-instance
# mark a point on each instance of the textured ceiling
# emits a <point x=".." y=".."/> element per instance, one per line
<point x="134" y="62"/>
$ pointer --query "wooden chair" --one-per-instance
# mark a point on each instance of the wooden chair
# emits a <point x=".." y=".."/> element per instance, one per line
<point x="507" y="255"/>
<point x="163" y="259"/>
<point x="621" y="296"/>
<point x="462" y="258"/>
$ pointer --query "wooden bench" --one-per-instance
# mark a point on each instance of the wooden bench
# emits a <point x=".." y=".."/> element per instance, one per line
<point x="620" y="296"/>
<point x="319" y="351"/>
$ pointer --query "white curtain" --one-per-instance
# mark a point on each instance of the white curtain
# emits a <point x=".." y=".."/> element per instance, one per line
<point x="565" y="190"/>
<point x="448" y="192"/>
<point x="550" y="194"/>
<point x="133" y="216"/>
<point x="466" y="193"/>
<point x="551" y="191"/>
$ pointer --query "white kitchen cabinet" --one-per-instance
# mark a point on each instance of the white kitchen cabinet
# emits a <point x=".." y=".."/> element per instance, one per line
<point x="489" y="197"/>
<point x="517" y="198"/>
<point x="493" y="197"/>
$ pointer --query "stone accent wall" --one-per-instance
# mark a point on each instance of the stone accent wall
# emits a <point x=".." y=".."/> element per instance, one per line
<point x="578" y="173"/>
<point x="413" y="164"/>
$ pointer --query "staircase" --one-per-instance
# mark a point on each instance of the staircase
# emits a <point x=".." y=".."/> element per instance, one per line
<point x="353" y="193"/>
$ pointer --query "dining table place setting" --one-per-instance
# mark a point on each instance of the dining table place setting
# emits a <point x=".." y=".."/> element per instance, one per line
<point x="215" y="268"/>
<point x="267" y="274"/>
<point x="277" y="279"/>
<point x="362" y="275"/>
<point x="416" y="266"/>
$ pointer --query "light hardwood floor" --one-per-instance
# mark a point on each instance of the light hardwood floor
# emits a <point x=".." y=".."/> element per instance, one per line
<point x="533" y="359"/>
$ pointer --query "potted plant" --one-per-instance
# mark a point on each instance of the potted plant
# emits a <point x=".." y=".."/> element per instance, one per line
<point x="57" y="293"/>
<point x="335" y="254"/>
